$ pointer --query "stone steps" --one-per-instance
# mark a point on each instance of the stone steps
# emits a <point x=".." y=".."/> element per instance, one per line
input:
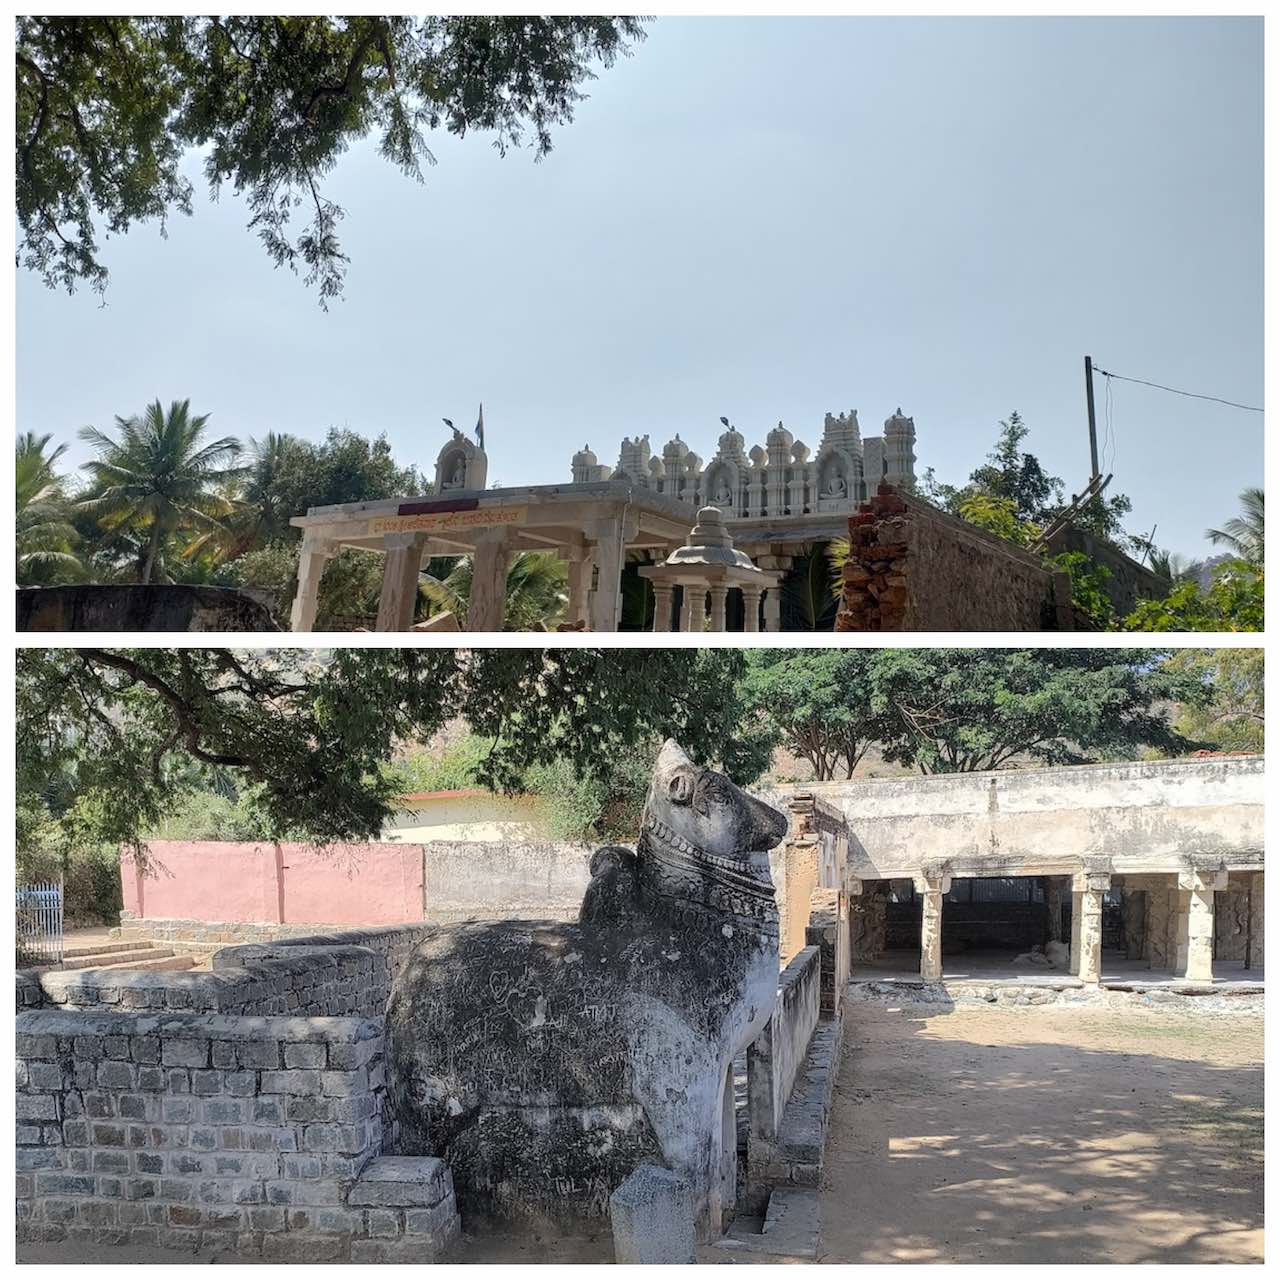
<point x="119" y="956"/>
<point x="161" y="960"/>
<point x="97" y="949"/>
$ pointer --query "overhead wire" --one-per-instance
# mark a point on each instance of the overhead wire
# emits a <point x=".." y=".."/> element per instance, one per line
<point x="1194" y="395"/>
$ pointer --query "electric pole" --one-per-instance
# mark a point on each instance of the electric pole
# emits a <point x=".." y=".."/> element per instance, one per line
<point x="1093" y="423"/>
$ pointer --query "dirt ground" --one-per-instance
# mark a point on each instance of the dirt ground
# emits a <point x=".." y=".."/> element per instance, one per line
<point x="1045" y="1134"/>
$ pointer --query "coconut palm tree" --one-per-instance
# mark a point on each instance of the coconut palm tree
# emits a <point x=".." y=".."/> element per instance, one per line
<point x="158" y="477"/>
<point x="43" y="534"/>
<point x="537" y="592"/>
<point x="1243" y="534"/>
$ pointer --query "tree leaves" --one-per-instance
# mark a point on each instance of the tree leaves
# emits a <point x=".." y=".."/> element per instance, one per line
<point x="108" y="106"/>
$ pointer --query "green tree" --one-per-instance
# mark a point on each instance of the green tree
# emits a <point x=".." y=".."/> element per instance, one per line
<point x="307" y="734"/>
<point x="1013" y="475"/>
<point x="158" y="477"/>
<point x="1244" y="534"/>
<point x="536" y="591"/>
<point x="349" y="588"/>
<point x="107" y="108"/>
<point x="287" y="476"/>
<point x="957" y="710"/>
<point x="1234" y="600"/>
<point x="44" y="537"/>
<point x="1232" y="715"/>
<point x="818" y="701"/>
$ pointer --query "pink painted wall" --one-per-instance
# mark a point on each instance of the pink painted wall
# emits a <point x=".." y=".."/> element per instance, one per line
<point x="263" y="883"/>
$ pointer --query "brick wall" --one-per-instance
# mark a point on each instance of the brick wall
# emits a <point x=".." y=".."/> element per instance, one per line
<point x="259" y="1135"/>
<point x="912" y="567"/>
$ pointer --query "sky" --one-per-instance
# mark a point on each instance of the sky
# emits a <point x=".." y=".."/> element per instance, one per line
<point x="763" y="218"/>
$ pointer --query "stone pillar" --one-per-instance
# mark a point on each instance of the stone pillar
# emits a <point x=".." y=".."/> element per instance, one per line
<point x="662" y="593"/>
<point x="773" y="608"/>
<point x="1056" y="889"/>
<point x="610" y="554"/>
<point x="1087" y="889"/>
<point x="402" y="564"/>
<point x="488" y="605"/>
<point x="652" y="1217"/>
<point x="580" y="566"/>
<point x="1161" y="910"/>
<point x="719" y="601"/>
<point x="1195" y="923"/>
<point x="1133" y="910"/>
<point x="693" y="610"/>
<point x="931" y="889"/>
<point x="1257" y="922"/>
<point x="314" y="554"/>
<point x="751" y="608"/>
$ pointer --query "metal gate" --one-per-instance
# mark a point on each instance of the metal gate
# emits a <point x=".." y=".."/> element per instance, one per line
<point x="39" y="924"/>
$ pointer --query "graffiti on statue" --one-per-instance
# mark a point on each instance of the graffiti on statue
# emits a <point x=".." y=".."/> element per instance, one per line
<point x="545" y="1061"/>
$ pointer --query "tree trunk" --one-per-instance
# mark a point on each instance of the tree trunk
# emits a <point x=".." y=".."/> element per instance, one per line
<point x="152" y="547"/>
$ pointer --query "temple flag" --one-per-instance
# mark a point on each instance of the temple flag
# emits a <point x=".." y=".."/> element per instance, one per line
<point x="480" y="426"/>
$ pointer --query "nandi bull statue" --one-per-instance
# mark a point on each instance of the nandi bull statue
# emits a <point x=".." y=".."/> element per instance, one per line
<point x="544" y="1061"/>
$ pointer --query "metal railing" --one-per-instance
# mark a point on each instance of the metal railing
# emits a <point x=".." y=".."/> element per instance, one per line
<point x="39" y="924"/>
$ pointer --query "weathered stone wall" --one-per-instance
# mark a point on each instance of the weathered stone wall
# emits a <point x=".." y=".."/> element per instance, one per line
<point x="501" y="879"/>
<point x="235" y="1133"/>
<point x="346" y="973"/>
<point x="1143" y="817"/>
<point x="828" y="930"/>
<point x="133" y="608"/>
<point x="1127" y="582"/>
<point x="914" y="568"/>
<point x="796" y="875"/>
<point x="777" y="1055"/>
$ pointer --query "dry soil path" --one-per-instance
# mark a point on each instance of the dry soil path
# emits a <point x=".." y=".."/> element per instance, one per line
<point x="1045" y="1135"/>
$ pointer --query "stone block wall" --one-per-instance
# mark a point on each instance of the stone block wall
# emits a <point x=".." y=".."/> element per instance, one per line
<point x="132" y="608"/>
<point x="777" y="1056"/>
<point x="912" y="567"/>
<point x="828" y="930"/>
<point x="340" y="974"/>
<point x="259" y="1135"/>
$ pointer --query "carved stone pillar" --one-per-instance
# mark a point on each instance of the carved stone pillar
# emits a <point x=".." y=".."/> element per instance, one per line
<point x="931" y="889"/>
<point x="1087" y="889"/>
<point x="488" y="606"/>
<point x="662" y="607"/>
<point x="314" y="555"/>
<point x="1134" y="912"/>
<point x="719" y="602"/>
<point x="773" y="609"/>
<point x="580" y="566"/>
<point x="610" y="538"/>
<point x="1056" y="889"/>
<point x="693" y="608"/>
<point x="1195" y="923"/>
<point x="1257" y="923"/>
<point x="402" y="563"/>
<point x="751" y="608"/>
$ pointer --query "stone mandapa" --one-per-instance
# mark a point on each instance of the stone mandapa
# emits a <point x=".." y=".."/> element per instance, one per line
<point x="545" y="1061"/>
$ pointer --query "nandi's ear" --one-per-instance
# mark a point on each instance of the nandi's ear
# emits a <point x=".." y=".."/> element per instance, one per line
<point x="680" y="787"/>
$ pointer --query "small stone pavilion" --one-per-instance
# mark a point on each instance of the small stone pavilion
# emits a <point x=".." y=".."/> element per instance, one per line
<point x="708" y="566"/>
<point x="782" y="501"/>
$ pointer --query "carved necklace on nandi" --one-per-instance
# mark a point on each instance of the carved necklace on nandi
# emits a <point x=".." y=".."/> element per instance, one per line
<point x="692" y="880"/>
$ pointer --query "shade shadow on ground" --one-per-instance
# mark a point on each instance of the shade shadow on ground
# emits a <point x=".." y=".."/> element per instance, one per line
<point x="1050" y="1134"/>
